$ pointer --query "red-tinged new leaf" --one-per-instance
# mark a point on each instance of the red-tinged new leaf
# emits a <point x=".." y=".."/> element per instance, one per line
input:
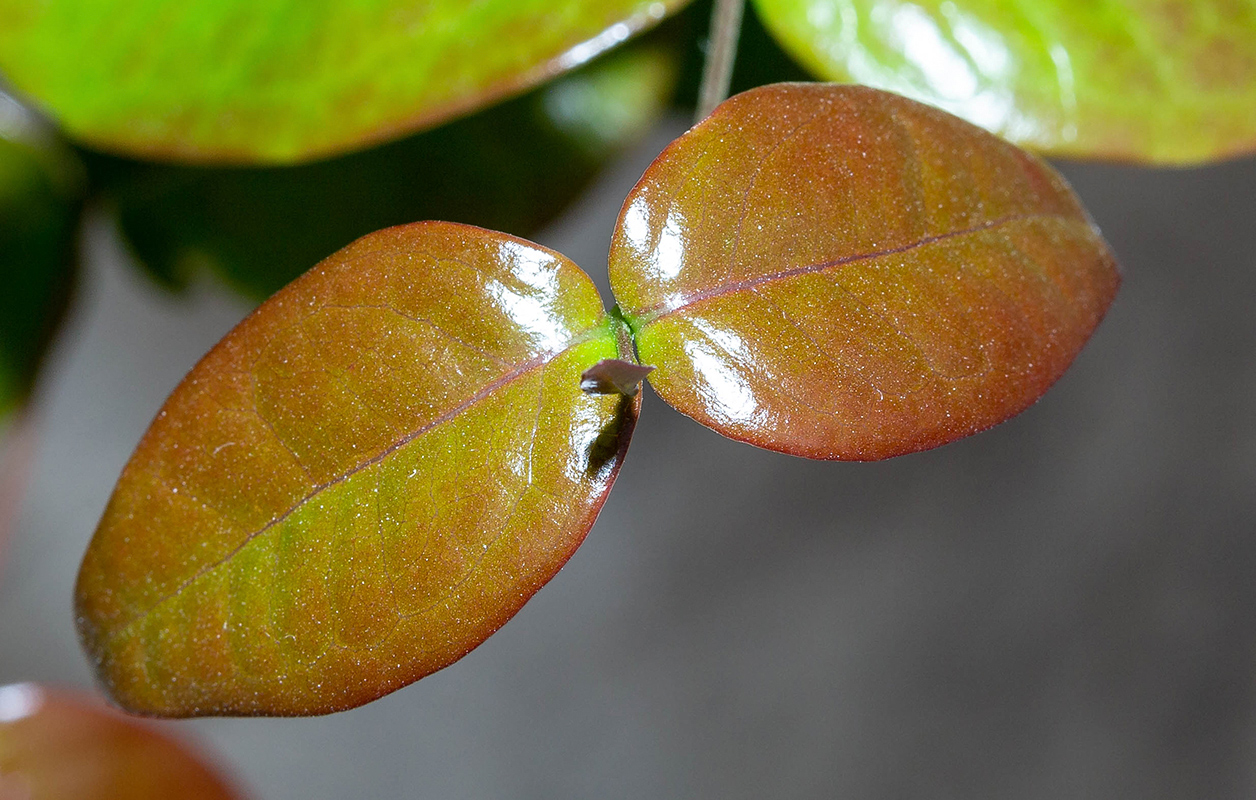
<point x="59" y="746"/>
<point x="364" y="480"/>
<point x="837" y="272"/>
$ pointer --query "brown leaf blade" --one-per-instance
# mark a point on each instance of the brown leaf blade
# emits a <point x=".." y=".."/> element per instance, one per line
<point x="837" y="272"/>
<point x="363" y="481"/>
<point x="58" y="746"/>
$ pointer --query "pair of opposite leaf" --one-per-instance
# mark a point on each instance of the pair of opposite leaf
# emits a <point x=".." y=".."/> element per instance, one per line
<point x="258" y="228"/>
<point x="378" y="467"/>
<point x="270" y="81"/>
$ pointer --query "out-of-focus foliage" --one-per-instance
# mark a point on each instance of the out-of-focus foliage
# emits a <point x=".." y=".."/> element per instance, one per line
<point x="273" y="81"/>
<point x="59" y="746"/>
<point x="41" y="195"/>
<point x="760" y="60"/>
<point x="509" y="168"/>
<point x="1160" y="81"/>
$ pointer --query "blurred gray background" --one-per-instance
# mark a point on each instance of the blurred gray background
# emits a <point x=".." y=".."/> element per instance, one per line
<point x="1061" y="607"/>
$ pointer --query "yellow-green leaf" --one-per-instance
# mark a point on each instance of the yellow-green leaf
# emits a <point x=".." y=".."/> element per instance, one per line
<point x="838" y="272"/>
<point x="1163" y="81"/>
<point x="365" y="479"/>
<point x="510" y="168"/>
<point x="246" y="81"/>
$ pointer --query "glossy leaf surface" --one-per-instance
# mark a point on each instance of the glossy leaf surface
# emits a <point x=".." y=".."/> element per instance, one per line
<point x="1163" y="81"/>
<point x="41" y="196"/>
<point x="837" y="272"/>
<point x="59" y="746"/>
<point x="510" y="168"/>
<point x="366" y="478"/>
<point x="245" y="81"/>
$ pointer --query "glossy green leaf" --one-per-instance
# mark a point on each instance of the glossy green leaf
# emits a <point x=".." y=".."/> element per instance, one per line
<point x="41" y="196"/>
<point x="837" y="272"/>
<point x="58" y="746"/>
<point x="1163" y="81"/>
<point x="365" y="479"/>
<point x="509" y="168"/>
<point x="243" y="81"/>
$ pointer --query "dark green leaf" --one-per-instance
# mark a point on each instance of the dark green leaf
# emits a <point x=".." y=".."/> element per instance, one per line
<point x="760" y="60"/>
<point x="510" y="168"/>
<point x="41" y="191"/>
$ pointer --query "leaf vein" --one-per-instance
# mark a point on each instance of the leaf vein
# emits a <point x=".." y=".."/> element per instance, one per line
<point x="495" y="385"/>
<point x="656" y="312"/>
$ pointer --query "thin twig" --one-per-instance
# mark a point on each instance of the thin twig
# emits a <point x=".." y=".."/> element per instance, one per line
<point x="717" y="72"/>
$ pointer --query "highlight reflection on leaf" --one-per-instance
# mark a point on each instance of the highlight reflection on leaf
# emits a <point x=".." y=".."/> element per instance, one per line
<point x="837" y="272"/>
<point x="373" y="472"/>
<point x="511" y="168"/>
<point x="270" y="81"/>
<point x="1162" y="81"/>
<point x="364" y="480"/>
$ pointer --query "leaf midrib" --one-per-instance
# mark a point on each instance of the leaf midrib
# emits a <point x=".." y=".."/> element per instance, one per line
<point x="498" y="383"/>
<point x="658" y="311"/>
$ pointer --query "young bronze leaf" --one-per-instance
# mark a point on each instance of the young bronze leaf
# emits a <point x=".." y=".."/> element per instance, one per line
<point x="1162" y="81"/>
<point x="276" y="81"/>
<point x="365" y="479"/>
<point x="58" y="746"/>
<point x="837" y="272"/>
